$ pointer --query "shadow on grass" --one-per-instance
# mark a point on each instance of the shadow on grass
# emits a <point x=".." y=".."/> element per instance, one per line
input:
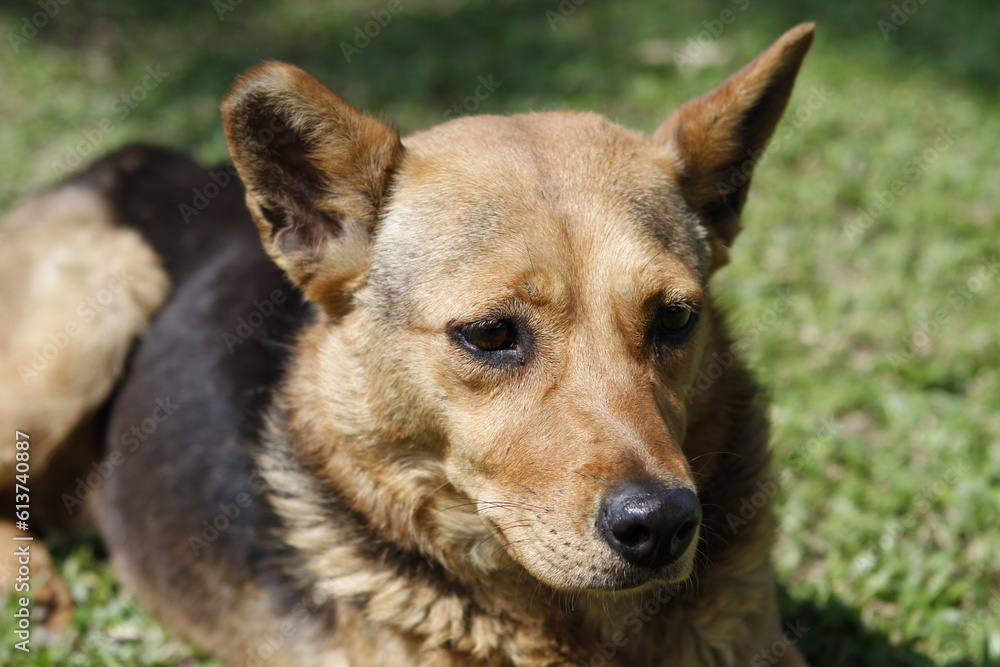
<point x="956" y="41"/>
<point x="429" y="55"/>
<point x="837" y="636"/>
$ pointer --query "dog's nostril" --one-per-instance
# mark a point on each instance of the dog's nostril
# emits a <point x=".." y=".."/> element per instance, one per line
<point x="633" y="536"/>
<point x="684" y="535"/>
<point x="649" y="524"/>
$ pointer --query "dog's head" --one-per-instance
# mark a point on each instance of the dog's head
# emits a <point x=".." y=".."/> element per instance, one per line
<point x="525" y="297"/>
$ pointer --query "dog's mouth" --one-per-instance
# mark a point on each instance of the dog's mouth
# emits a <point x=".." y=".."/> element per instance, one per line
<point x="672" y="568"/>
<point x="612" y="558"/>
<point x="603" y="574"/>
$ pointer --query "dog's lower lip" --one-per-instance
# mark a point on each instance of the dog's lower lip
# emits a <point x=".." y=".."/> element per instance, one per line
<point x="634" y="585"/>
<point x="644" y="578"/>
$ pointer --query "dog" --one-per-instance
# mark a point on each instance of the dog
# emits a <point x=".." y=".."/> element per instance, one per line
<point x="454" y="399"/>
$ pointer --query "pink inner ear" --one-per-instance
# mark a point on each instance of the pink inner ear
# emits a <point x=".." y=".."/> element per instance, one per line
<point x="310" y="233"/>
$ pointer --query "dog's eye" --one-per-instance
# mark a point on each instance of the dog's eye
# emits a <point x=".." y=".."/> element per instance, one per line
<point x="672" y="323"/>
<point x="490" y="336"/>
<point x="673" y="319"/>
<point x="503" y="342"/>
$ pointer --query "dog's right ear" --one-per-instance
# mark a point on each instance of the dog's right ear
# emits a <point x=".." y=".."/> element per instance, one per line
<point x="316" y="172"/>
<point x="720" y="136"/>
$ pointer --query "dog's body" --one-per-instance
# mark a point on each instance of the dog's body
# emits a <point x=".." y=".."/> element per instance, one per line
<point x="465" y="432"/>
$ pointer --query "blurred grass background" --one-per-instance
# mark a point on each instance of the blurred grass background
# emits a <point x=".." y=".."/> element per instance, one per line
<point x="871" y="314"/>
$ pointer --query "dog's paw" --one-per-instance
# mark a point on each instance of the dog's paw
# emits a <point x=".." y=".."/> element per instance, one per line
<point x="51" y="603"/>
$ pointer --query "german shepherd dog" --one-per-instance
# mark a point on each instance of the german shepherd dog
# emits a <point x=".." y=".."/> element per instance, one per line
<point x="465" y="405"/>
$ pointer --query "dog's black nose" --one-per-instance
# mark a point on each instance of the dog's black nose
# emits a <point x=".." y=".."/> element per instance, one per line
<point x="648" y="523"/>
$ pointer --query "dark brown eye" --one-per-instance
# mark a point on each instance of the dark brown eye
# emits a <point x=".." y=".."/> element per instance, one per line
<point x="502" y="343"/>
<point x="672" y="323"/>
<point x="673" y="318"/>
<point x="490" y="336"/>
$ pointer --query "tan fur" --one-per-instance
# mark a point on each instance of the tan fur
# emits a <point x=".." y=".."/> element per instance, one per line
<point x="62" y="355"/>
<point x="80" y="290"/>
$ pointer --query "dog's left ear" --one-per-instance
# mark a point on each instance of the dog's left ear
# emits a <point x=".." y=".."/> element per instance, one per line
<point x="720" y="136"/>
<point x="317" y="173"/>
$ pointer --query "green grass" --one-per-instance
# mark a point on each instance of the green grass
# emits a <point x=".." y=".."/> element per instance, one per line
<point x="878" y="340"/>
